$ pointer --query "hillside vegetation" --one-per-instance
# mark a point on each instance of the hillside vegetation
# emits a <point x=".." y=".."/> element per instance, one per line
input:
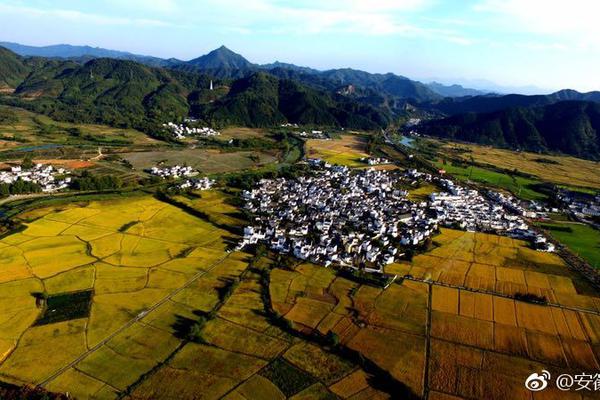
<point x="128" y="94"/>
<point x="570" y="127"/>
<point x="262" y="100"/>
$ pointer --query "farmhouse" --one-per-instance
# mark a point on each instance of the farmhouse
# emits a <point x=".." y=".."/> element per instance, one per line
<point x="181" y="131"/>
<point x="177" y="171"/>
<point x="43" y="175"/>
<point x="197" y="184"/>
<point x="375" y="160"/>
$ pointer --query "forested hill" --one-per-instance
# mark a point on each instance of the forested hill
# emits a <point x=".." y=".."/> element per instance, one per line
<point x="491" y="103"/>
<point x="12" y="69"/>
<point x="570" y="127"/>
<point x="129" y="94"/>
<point x="261" y="99"/>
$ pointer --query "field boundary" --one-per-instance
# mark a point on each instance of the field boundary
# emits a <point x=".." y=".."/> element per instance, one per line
<point x="138" y="317"/>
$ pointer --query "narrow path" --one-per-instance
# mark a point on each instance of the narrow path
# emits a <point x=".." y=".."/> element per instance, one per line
<point x="133" y="321"/>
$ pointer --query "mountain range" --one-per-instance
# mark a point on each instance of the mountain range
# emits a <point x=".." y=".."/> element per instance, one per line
<point x="126" y="93"/>
<point x="224" y="63"/>
<point x="124" y="89"/>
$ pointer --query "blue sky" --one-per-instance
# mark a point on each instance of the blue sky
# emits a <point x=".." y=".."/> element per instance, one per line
<point x="549" y="44"/>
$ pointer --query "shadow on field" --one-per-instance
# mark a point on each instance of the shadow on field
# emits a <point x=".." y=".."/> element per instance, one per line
<point x="183" y="325"/>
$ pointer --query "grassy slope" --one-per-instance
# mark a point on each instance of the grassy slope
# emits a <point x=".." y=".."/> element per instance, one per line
<point x="33" y="129"/>
<point x="516" y="184"/>
<point x="583" y="240"/>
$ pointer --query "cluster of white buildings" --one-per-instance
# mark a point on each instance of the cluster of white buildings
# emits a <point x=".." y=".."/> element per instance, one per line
<point x="375" y="160"/>
<point x="412" y="122"/>
<point x="314" y="134"/>
<point x="43" y="175"/>
<point x="197" y="184"/>
<point x="468" y="209"/>
<point x="580" y="205"/>
<point x="337" y="216"/>
<point x="177" y="171"/>
<point x="362" y="218"/>
<point x="181" y="131"/>
<point x="465" y="208"/>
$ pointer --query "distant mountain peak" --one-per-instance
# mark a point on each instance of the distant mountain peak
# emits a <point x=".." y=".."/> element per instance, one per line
<point x="221" y="58"/>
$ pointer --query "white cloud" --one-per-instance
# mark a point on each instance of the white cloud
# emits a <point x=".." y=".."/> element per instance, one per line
<point x="312" y="17"/>
<point x="74" y="16"/>
<point x="572" y="21"/>
<point x="162" y="6"/>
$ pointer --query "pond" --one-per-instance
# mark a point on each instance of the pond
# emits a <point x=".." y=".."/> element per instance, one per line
<point x="407" y="141"/>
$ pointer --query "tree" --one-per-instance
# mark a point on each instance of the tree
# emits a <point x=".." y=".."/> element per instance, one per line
<point x="195" y="332"/>
<point x="332" y="339"/>
<point x="27" y="162"/>
<point x="88" y="181"/>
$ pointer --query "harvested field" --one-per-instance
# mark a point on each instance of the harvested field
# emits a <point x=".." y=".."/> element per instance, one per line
<point x="347" y="150"/>
<point x="34" y="129"/>
<point x="241" y="133"/>
<point x="206" y="161"/>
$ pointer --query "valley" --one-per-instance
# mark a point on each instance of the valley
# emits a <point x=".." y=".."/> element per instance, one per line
<point x="219" y="229"/>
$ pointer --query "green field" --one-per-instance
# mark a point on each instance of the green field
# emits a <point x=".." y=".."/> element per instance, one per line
<point x="26" y="128"/>
<point x="582" y="239"/>
<point x="518" y="185"/>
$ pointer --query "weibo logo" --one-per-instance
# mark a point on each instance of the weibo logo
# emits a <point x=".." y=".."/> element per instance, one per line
<point x="537" y="382"/>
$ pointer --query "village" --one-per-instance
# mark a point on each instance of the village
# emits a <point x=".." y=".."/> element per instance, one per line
<point x="583" y="207"/>
<point x="181" y="131"/>
<point x="177" y="172"/>
<point x="363" y="218"/>
<point x="204" y="183"/>
<point x="43" y="175"/>
<point x="174" y="172"/>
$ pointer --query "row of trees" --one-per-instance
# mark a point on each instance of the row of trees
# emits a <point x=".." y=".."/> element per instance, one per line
<point x="88" y="181"/>
<point x="19" y="187"/>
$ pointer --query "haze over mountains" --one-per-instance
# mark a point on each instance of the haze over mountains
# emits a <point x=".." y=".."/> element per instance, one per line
<point x="124" y="89"/>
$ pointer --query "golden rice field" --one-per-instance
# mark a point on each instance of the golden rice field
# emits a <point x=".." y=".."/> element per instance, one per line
<point x="386" y="327"/>
<point x="152" y="269"/>
<point x="347" y="150"/>
<point x="564" y="170"/>
<point x="482" y="343"/>
<point x="241" y="346"/>
<point x="499" y="264"/>
<point x="134" y="254"/>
